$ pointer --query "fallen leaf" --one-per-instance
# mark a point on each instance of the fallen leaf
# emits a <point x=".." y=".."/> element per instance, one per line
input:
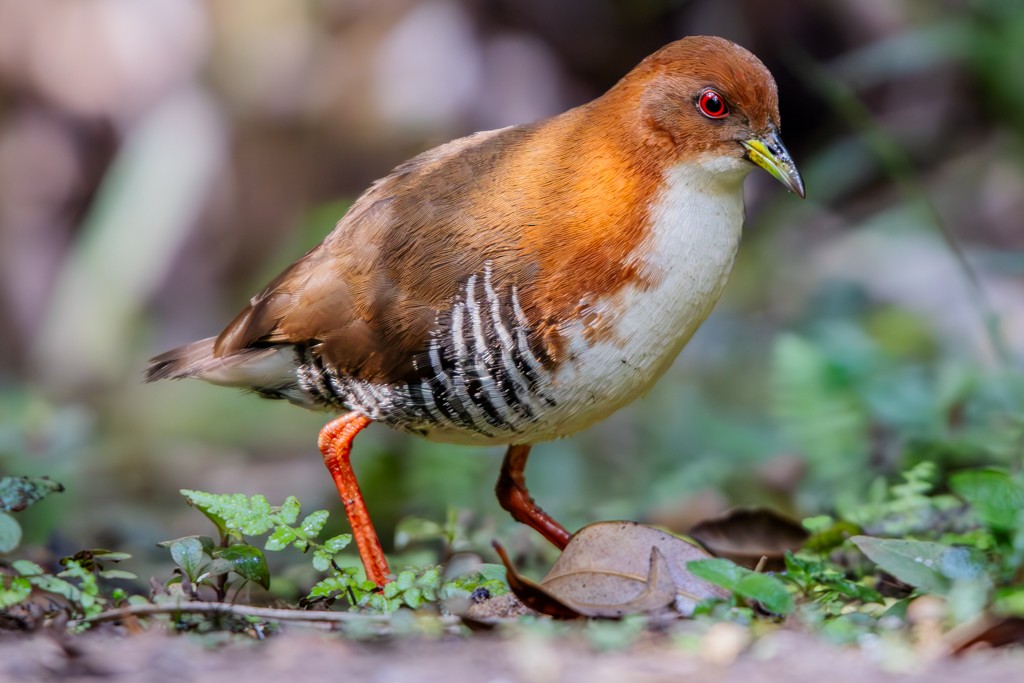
<point x="532" y="594"/>
<point x="745" y="535"/>
<point x="610" y="569"/>
<point x="612" y="593"/>
<point x="988" y="630"/>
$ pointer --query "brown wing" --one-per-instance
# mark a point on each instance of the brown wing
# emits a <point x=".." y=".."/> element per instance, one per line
<point x="368" y="297"/>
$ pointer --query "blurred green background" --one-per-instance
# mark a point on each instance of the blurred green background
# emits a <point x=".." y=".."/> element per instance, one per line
<point x="160" y="160"/>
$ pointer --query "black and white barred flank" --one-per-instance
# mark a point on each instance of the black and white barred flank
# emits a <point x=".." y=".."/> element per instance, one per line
<point x="478" y="374"/>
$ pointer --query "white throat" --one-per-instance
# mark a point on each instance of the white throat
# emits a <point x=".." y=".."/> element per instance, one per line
<point x="696" y="222"/>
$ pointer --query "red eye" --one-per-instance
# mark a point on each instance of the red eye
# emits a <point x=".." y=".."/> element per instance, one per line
<point x="712" y="105"/>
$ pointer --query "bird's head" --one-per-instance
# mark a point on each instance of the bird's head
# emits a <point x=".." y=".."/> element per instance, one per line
<point x="708" y="100"/>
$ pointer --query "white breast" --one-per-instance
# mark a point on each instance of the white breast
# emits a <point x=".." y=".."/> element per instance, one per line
<point x="697" y="222"/>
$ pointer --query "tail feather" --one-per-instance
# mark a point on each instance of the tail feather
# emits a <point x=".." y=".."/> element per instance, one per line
<point x="185" y="361"/>
<point x="256" y="368"/>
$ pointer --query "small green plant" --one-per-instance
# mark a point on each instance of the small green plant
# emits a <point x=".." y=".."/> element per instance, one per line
<point x="233" y="560"/>
<point x="411" y="588"/>
<point x="966" y="547"/>
<point x="765" y="589"/>
<point x="859" y="573"/>
<point x="76" y="587"/>
<point x="823" y="583"/>
<point x="16" y="494"/>
<point x="976" y="561"/>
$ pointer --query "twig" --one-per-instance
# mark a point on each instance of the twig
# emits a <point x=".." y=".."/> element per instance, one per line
<point x="267" y="613"/>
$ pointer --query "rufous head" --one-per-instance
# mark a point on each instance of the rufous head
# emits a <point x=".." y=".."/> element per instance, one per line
<point x="705" y="98"/>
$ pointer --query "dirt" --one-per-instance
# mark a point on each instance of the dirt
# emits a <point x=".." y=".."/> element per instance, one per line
<point x="507" y="655"/>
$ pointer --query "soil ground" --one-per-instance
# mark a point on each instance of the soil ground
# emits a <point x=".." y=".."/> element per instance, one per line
<point x="503" y="656"/>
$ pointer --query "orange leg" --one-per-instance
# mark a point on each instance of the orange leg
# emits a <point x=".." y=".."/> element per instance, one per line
<point x="514" y="497"/>
<point x="336" y="445"/>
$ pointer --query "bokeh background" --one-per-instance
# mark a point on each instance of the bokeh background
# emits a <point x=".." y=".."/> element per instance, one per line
<point x="161" y="160"/>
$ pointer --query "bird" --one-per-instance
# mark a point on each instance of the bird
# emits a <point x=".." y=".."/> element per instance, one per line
<point x="517" y="285"/>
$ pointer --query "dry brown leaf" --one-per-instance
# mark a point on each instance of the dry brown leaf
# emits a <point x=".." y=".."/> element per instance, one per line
<point x="745" y="535"/>
<point x="986" y="631"/>
<point x="610" y="569"/>
<point x="611" y="593"/>
<point x="531" y="593"/>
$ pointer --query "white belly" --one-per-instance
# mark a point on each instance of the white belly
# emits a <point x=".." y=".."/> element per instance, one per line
<point x="687" y="257"/>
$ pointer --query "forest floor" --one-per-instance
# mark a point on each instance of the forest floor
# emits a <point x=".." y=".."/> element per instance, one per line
<point x="509" y="654"/>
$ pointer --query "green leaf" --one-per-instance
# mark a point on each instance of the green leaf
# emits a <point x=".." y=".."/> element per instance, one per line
<point x="27" y="568"/>
<point x="313" y="523"/>
<point x="330" y="586"/>
<point x="249" y="516"/>
<point x="17" y="493"/>
<point x="47" y="582"/>
<point x="338" y="543"/>
<point x="248" y="562"/>
<point x="391" y="590"/>
<point x="10" y="533"/>
<point x="89" y="600"/>
<point x="721" y="572"/>
<point x="378" y="603"/>
<point x="57" y="586"/>
<point x="763" y="588"/>
<point x="117" y="574"/>
<point x="413" y="597"/>
<point x="289" y="512"/>
<point x="431" y="578"/>
<point x="405" y="580"/>
<point x="323" y="555"/>
<point x="110" y="555"/>
<point x="767" y="590"/>
<point x="280" y="539"/>
<point x="824" y="539"/>
<point x="19" y="589"/>
<point x="217" y="567"/>
<point x="490" y="577"/>
<point x="1009" y="601"/>
<point x="824" y="583"/>
<point x="960" y="564"/>
<point x="922" y="564"/>
<point x="490" y="571"/>
<point x="205" y="541"/>
<point x="322" y="559"/>
<point x="187" y="553"/>
<point x="995" y="496"/>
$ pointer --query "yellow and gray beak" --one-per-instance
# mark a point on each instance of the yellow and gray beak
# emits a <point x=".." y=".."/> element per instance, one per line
<point x="768" y="152"/>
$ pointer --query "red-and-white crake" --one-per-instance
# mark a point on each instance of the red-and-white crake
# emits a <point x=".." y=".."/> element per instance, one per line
<point x="516" y="285"/>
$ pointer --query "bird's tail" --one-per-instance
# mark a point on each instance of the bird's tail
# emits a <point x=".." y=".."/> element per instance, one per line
<point x="255" y="368"/>
<point x="191" y="360"/>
